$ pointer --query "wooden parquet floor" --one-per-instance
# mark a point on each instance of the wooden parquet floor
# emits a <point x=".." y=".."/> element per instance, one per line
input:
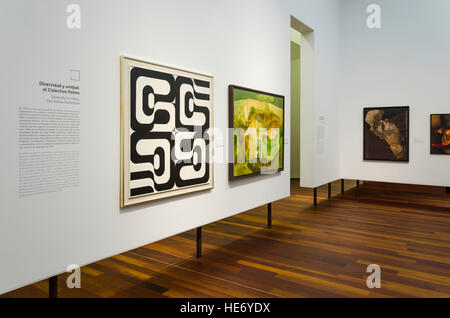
<point x="320" y="251"/>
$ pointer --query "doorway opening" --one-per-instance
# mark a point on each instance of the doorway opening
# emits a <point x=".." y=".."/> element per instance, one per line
<point x="302" y="103"/>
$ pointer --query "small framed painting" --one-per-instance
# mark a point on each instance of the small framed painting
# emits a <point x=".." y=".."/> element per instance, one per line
<point x="440" y="134"/>
<point x="257" y="121"/>
<point x="386" y="133"/>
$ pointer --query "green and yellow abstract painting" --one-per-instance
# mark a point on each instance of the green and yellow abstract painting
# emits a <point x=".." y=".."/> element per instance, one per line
<point x="258" y="132"/>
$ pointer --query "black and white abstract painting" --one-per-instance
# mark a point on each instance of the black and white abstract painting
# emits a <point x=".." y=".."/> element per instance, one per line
<point x="167" y="145"/>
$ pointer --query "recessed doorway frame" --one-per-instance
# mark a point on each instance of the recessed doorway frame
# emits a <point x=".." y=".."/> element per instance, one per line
<point x="304" y="35"/>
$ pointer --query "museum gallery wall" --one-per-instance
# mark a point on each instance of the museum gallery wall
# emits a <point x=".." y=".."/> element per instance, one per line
<point x="403" y="63"/>
<point x="257" y="120"/>
<point x="85" y="222"/>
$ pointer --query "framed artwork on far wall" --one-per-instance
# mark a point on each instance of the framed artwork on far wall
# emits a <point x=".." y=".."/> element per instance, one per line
<point x="166" y="146"/>
<point x="440" y="134"/>
<point x="386" y="133"/>
<point x="257" y="121"/>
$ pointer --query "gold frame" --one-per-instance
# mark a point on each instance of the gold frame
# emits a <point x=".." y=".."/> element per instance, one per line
<point x="125" y="64"/>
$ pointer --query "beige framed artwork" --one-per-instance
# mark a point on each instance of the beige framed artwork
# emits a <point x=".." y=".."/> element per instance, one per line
<point x="166" y="124"/>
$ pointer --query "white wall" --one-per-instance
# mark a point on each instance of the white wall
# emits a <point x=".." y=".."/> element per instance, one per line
<point x="303" y="118"/>
<point x="238" y="42"/>
<point x="320" y="139"/>
<point x="406" y="62"/>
